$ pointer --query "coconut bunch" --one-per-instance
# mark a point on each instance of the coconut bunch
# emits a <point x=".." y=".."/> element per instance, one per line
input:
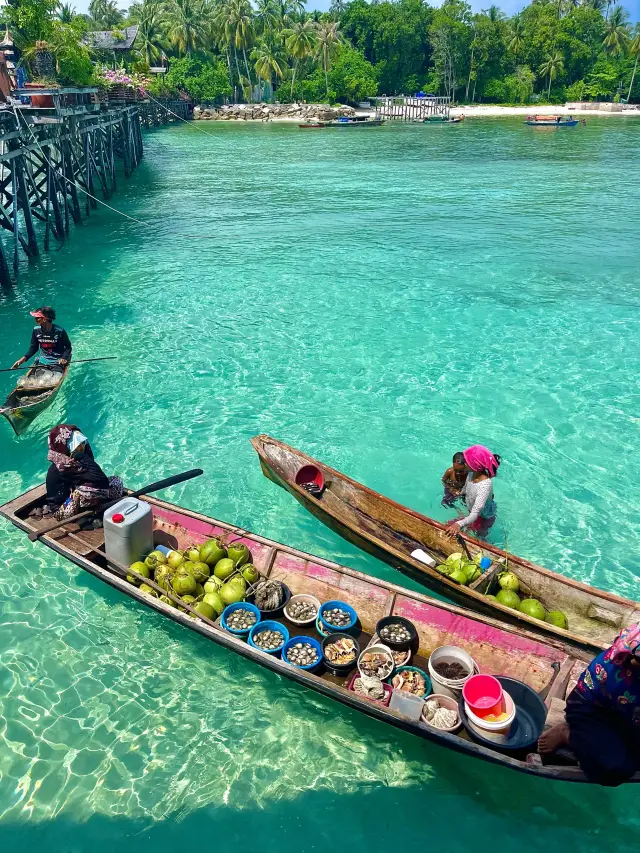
<point x="508" y="596"/>
<point x="208" y="576"/>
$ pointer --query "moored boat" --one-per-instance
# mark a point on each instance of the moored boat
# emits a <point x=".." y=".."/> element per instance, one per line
<point x="23" y="405"/>
<point x="392" y="532"/>
<point x="549" y="668"/>
<point x="552" y="121"/>
<point x="345" y="121"/>
<point x="443" y="120"/>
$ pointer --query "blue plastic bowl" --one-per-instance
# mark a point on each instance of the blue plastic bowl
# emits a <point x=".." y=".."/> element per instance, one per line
<point x="268" y="625"/>
<point x="427" y="680"/>
<point x="312" y="642"/>
<point x="330" y="605"/>
<point x="239" y="605"/>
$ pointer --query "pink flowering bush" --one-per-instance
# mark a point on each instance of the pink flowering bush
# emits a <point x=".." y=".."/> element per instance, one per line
<point x="122" y="77"/>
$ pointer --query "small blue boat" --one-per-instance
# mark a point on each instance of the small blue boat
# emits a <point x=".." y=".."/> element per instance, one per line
<point x="552" y="121"/>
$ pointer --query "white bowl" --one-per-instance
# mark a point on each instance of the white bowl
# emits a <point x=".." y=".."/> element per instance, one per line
<point x="303" y="596"/>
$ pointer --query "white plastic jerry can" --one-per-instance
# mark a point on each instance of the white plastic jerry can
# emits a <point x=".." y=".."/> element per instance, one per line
<point x="128" y="531"/>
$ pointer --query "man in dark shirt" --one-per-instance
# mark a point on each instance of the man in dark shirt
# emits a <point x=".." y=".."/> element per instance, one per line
<point x="51" y="342"/>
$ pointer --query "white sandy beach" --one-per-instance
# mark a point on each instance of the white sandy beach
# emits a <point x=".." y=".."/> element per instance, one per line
<point x="490" y="110"/>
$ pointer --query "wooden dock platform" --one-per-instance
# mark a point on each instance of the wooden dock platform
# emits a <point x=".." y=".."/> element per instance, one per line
<point x="405" y="108"/>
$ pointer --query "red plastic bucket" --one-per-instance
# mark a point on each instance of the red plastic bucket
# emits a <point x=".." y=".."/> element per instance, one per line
<point x="484" y="695"/>
<point x="310" y="474"/>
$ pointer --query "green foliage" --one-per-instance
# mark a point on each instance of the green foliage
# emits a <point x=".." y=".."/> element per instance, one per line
<point x="30" y="20"/>
<point x="352" y="77"/>
<point x="203" y="80"/>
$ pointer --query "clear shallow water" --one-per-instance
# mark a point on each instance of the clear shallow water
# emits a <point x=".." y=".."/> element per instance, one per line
<point x="379" y="299"/>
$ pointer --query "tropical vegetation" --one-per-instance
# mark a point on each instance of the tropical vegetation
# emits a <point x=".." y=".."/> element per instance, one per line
<point x="553" y="50"/>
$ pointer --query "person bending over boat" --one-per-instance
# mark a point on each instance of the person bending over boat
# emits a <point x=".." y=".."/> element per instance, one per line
<point x="602" y="715"/>
<point x="75" y="481"/>
<point x="481" y="466"/>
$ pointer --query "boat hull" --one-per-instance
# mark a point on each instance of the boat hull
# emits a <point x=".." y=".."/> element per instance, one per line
<point x="547" y="667"/>
<point x="21" y="416"/>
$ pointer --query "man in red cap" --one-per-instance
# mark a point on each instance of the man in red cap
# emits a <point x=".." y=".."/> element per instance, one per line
<point x="50" y="341"/>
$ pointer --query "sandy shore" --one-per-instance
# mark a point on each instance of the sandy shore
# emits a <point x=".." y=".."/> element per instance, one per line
<point x="491" y="110"/>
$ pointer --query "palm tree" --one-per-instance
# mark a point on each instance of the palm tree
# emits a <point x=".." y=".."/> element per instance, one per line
<point x="597" y="5"/>
<point x="266" y="16"/>
<point x="634" y="50"/>
<point x="516" y="36"/>
<point x="494" y="13"/>
<point x="66" y="13"/>
<point x="150" y="17"/>
<point x="329" y="40"/>
<point x="551" y="68"/>
<point x="337" y="8"/>
<point x="617" y="34"/>
<point x="185" y="20"/>
<point x="105" y="13"/>
<point x="241" y="22"/>
<point x="300" y="41"/>
<point x="269" y="59"/>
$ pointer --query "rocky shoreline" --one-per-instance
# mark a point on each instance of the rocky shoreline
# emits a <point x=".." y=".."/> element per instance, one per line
<point x="269" y="112"/>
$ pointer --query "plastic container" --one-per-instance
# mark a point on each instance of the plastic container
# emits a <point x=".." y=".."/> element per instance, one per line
<point x="485" y="563"/>
<point x="272" y="614"/>
<point x="388" y="690"/>
<point x="397" y="620"/>
<point x="527" y="727"/>
<point x="268" y="625"/>
<point x="497" y="732"/>
<point x="445" y="702"/>
<point x="330" y="605"/>
<point x="302" y="597"/>
<point x="239" y="605"/>
<point x="379" y="647"/>
<point x="312" y="642"/>
<point x="335" y="668"/>
<point x="427" y="680"/>
<point x="450" y="654"/>
<point x="130" y="539"/>
<point x="483" y="695"/>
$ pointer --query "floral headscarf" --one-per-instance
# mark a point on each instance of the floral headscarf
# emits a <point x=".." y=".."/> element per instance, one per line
<point x="59" y="450"/>
<point x="626" y="644"/>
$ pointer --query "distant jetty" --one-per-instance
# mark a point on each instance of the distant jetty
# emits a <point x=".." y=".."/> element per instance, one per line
<point x="270" y="112"/>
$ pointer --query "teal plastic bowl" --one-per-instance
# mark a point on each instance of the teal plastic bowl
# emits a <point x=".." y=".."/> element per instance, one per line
<point x="427" y="680"/>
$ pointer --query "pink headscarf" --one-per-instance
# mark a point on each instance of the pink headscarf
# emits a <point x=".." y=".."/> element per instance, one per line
<point x="480" y="458"/>
<point x="627" y="643"/>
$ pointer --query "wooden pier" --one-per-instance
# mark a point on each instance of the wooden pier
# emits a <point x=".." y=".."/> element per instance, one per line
<point x="57" y="159"/>
<point x="403" y="108"/>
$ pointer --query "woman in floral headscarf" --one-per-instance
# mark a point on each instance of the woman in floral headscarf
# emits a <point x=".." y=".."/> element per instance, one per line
<point x="75" y="481"/>
<point x="602" y="717"/>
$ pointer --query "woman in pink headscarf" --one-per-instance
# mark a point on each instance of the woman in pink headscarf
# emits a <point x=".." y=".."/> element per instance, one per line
<point x="482" y="467"/>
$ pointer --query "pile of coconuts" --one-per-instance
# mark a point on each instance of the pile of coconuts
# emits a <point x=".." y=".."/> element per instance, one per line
<point x="208" y="577"/>
<point x="507" y="595"/>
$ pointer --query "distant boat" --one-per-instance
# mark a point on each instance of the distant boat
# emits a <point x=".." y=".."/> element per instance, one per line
<point x="344" y="121"/>
<point x="553" y="121"/>
<point x="442" y="120"/>
<point x="23" y="405"/>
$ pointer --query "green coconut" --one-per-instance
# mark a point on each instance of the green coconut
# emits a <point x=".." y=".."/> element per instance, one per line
<point x="239" y="553"/>
<point x="212" y="551"/>
<point x="459" y="576"/>
<point x="224" y="568"/>
<point x="201" y="572"/>
<point x="444" y="569"/>
<point x="183" y="583"/>
<point x="213" y="584"/>
<point x="472" y="572"/>
<point x="148" y="590"/>
<point x="160" y="557"/>
<point x="231" y="593"/>
<point x="532" y="607"/>
<point x="508" y="598"/>
<point x="250" y="573"/>
<point x="205" y="609"/>
<point x="141" y="569"/>
<point x="492" y="597"/>
<point x="508" y="580"/>
<point x="214" y="601"/>
<point x="192" y="553"/>
<point x="189" y="599"/>
<point x="162" y="571"/>
<point x="175" y="559"/>
<point x="557" y="618"/>
<point x="151" y="561"/>
<point x="456" y="561"/>
<point x="165" y="599"/>
<point x="239" y="581"/>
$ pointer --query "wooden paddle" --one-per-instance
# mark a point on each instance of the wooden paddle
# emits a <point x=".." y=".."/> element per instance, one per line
<point x="78" y="361"/>
<point x="154" y="487"/>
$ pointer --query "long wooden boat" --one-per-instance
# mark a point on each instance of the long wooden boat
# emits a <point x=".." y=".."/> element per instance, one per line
<point x="551" y="121"/>
<point x="391" y="532"/>
<point x="358" y="121"/>
<point x="549" y="667"/>
<point x="443" y="120"/>
<point x="23" y="405"/>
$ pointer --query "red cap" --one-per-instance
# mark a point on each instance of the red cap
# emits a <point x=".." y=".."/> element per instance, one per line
<point x="118" y="518"/>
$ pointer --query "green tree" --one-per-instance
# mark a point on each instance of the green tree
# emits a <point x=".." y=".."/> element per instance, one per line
<point x="329" y="41"/>
<point x="150" y="17"/>
<point x="352" y="77"/>
<point x="617" y="36"/>
<point x="300" y="40"/>
<point x="203" y="80"/>
<point x="269" y="58"/>
<point x="634" y="50"/>
<point x="516" y="35"/>
<point x="30" y="20"/>
<point x="66" y="12"/>
<point x="185" y="22"/>
<point x="106" y="14"/>
<point x="552" y="66"/>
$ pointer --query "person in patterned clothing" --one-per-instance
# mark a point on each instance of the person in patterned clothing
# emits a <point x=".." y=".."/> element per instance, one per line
<point x="602" y="716"/>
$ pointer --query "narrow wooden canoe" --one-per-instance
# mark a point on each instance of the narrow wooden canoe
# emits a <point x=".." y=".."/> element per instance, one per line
<point x="552" y="123"/>
<point x="23" y="406"/>
<point x="549" y="667"/>
<point x="391" y="532"/>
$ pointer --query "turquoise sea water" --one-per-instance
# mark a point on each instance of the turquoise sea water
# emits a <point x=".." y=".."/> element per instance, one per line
<point x="380" y="299"/>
